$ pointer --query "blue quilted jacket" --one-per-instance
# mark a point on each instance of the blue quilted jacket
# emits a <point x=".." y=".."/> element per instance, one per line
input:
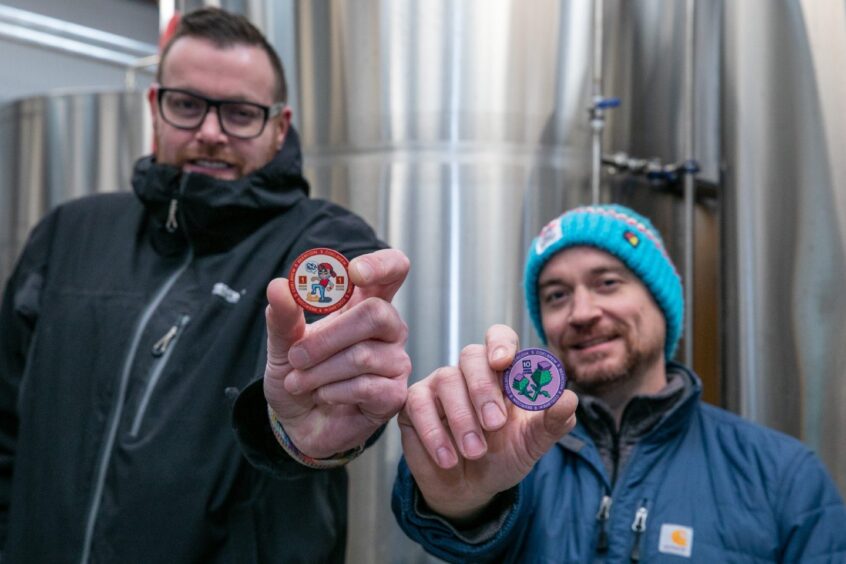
<point x="703" y="486"/>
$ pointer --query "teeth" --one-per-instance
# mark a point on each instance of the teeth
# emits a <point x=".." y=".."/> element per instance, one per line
<point x="211" y="164"/>
<point x="593" y="342"/>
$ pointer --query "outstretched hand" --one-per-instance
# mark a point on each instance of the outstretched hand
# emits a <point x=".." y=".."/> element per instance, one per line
<point x="462" y="440"/>
<point x="334" y="382"/>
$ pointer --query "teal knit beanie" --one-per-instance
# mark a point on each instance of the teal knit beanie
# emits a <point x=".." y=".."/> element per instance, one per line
<point x="623" y="233"/>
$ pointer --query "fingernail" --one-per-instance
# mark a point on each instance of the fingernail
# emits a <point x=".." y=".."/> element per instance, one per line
<point x="473" y="445"/>
<point x="498" y="354"/>
<point x="492" y="415"/>
<point x="365" y="271"/>
<point x="298" y="357"/>
<point x="445" y="457"/>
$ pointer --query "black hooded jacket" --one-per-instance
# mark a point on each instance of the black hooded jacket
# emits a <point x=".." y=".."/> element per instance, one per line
<point x="129" y="329"/>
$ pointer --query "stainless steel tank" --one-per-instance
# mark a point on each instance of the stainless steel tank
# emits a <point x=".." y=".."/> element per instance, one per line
<point x="455" y="128"/>
<point x="783" y="136"/>
<point x="458" y="128"/>
<point x="61" y="146"/>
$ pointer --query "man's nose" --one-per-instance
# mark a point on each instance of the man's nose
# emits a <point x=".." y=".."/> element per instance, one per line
<point x="210" y="130"/>
<point x="584" y="309"/>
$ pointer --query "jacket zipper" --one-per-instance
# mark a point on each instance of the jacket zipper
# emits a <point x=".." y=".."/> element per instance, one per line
<point x="638" y="526"/>
<point x="161" y="351"/>
<point x="602" y="517"/>
<point x="112" y="425"/>
<point x="172" y="224"/>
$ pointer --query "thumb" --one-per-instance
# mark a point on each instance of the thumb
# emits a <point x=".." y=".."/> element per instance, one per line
<point x="379" y="274"/>
<point x="285" y="326"/>
<point x="548" y="427"/>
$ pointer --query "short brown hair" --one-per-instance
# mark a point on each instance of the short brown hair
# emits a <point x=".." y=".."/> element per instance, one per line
<point x="225" y="29"/>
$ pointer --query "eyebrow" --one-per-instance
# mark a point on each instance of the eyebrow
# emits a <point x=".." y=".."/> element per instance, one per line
<point x="598" y="271"/>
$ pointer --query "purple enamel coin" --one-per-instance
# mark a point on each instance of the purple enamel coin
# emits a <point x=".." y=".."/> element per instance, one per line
<point x="535" y="380"/>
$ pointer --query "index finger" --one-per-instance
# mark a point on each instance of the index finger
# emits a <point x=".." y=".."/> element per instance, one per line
<point x="484" y="387"/>
<point x="501" y="342"/>
<point x="379" y="274"/>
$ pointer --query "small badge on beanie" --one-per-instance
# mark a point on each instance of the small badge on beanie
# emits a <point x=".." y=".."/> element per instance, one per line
<point x="632" y="239"/>
<point x="550" y="233"/>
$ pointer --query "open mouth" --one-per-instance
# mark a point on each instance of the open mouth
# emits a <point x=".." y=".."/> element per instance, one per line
<point x="212" y="164"/>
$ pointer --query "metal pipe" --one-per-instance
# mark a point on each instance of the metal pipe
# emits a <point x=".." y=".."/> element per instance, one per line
<point x="597" y="121"/>
<point x="689" y="187"/>
<point x="145" y="64"/>
<point x="51" y="32"/>
<point x="166" y="10"/>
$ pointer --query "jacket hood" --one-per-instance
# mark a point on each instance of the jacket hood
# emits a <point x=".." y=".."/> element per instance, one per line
<point x="213" y="214"/>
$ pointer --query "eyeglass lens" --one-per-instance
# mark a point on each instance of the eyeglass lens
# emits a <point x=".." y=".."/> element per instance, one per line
<point x="241" y="119"/>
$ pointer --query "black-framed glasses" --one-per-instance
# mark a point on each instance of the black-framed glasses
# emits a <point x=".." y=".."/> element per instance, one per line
<point x="184" y="109"/>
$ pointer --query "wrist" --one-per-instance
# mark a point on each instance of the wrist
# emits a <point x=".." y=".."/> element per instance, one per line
<point x="461" y="514"/>
<point x="340" y="459"/>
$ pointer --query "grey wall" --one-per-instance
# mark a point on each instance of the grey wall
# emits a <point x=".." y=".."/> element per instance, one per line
<point x="28" y="69"/>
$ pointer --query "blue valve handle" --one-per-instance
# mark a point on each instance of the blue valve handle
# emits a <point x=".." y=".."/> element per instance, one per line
<point x="607" y="103"/>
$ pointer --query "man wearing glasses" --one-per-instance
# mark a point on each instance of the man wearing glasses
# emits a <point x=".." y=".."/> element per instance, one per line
<point x="138" y="329"/>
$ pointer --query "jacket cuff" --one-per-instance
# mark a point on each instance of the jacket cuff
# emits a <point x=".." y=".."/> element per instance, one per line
<point x="254" y="435"/>
<point x="443" y="540"/>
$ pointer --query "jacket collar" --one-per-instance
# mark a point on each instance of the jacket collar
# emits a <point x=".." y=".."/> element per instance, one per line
<point x="213" y="214"/>
<point x="674" y="420"/>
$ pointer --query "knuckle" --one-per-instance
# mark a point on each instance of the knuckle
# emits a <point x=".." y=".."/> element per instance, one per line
<point x="472" y="351"/>
<point x="462" y="418"/>
<point x="362" y="358"/>
<point x="404" y="366"/>
<point x="380" y="314"/>
<point x="368" y="388"/>
<point x="393" y="397"/>
<point x="403" y="333"/>
<point x="444" y="374"/>
<point x="430" y="435"/>
<point x="481" y="387"/>
<point x="417" y="399"/>
<point x="319" y="343"/>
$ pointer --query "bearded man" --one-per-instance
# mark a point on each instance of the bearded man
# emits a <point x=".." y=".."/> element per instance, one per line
<point x="648" y="473"/>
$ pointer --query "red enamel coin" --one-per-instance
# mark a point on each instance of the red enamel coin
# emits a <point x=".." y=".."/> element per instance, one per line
<point x="319" y="280"/>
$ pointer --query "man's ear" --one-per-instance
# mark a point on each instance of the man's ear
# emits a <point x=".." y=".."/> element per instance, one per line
<point x="282" y="125"/>
<point x="153" y="103"/>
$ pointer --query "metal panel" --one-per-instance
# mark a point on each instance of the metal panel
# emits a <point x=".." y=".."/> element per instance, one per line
<point x="59" y="147"/>
<point x="784" y="130"/>
<point x="456" y="129"/>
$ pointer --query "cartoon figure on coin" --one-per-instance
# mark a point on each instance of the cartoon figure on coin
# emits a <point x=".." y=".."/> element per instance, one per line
<point x="321" y="282"/>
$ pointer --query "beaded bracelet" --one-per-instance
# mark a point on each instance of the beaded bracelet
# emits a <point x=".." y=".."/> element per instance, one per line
<point x="319" y="463"/>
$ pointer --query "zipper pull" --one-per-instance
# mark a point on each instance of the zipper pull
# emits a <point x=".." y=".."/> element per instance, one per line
<point x="639" y="526"/>
<point x="602" y="516"/>
<point x="162" y="344"/>
<point x="171" y="224"/>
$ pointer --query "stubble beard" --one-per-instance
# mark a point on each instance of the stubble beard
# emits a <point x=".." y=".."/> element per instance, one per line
<point x="596" y="373"/>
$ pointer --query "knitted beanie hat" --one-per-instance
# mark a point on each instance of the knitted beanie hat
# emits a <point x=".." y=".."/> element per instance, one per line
<point x="629" y="237"/>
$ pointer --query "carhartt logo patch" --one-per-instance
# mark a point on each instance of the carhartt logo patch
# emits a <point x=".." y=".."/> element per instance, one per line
<point x="676" y="539"/>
